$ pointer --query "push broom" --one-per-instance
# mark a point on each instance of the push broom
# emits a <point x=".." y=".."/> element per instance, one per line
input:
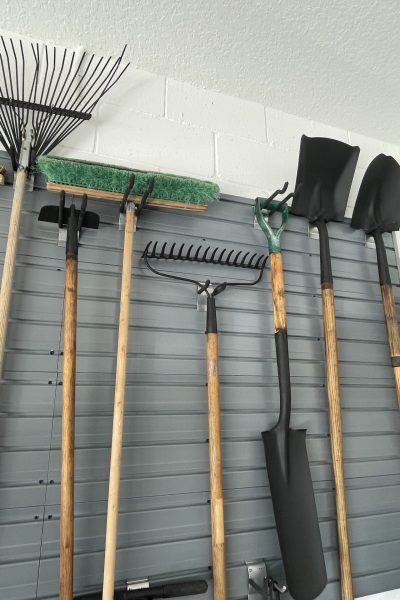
<point x="230" y="259"/>
<point x="324" y="176"/>
<point x="45" y="94"/>
<point x="141" y="189"/>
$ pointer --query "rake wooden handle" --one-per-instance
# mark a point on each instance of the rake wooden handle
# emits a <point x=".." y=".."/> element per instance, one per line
<point x="217" y="501"/>
<point x="392" y="329"/>
<point x="118" y="419"/>
<point x="335" y="427"/>
<point x="68" y="433"/>
<point x="10" y="259"/>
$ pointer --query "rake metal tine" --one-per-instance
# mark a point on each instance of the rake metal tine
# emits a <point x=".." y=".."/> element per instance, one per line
<point x="153" y="254"/>
<point x="171" y="252"/>
<point x="251" y="260"/>
<point x="146" y="250"/>
<point x="220" y="261"/>
<point x="260" y="258"/>
<point x="188" y="257"/>
<point x="235" y="260"/>
<point x="179" y="256"/>
<point x="212" y="257"/>
<point x="196" y="256"/>
<point x="162" y="253"/>
<point x="204" y="259"/>
<point x="242" y="263"/>
<point x="227" y="262"/>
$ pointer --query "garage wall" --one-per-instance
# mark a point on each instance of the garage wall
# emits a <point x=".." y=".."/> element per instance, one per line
<point x="164" y="523"/>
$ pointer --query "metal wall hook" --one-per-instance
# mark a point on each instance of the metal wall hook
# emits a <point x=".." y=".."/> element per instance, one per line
<point x="283" y="201"/>
<point x="260" y="583"/>
<point x="128" y="189"/>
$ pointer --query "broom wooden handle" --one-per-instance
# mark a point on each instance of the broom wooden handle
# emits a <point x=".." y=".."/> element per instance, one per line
<point x="392" y="329"/>
<point x="217" y="501"/>
<point x="10" y="259"/>
<point x="68" y="433"/>
<point x="335" y="427"/>
<point x="118" y="419"/>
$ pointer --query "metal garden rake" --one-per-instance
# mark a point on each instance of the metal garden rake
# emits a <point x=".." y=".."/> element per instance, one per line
<point x="224" y="258"/>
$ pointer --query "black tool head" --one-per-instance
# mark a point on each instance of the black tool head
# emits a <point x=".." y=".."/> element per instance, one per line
<point x="324" y="176"/>
<point x="51" y="214"/>
<point x="295" y="512"/>
<point x="378" y="202"/>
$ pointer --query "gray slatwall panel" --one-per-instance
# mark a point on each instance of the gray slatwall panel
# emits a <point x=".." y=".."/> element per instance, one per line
<point x="164" y="521"/>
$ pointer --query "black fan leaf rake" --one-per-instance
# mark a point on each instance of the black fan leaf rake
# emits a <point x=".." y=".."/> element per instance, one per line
<point x="223" y="258"/>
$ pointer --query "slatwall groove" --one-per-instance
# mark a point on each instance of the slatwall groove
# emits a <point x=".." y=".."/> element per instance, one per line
<point x="164" y="522"/>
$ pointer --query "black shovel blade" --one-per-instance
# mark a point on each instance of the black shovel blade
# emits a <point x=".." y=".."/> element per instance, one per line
<point x="324" y="176"/>
<point x="378" y="202"/>
<point x="50" y="214"/>
<point x="295" y="512"/>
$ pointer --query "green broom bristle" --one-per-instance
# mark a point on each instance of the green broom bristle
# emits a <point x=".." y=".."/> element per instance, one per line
<point x="109" y="178"/>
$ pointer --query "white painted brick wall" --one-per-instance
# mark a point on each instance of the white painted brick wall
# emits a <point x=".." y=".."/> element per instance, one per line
<point x="150" y="122"/>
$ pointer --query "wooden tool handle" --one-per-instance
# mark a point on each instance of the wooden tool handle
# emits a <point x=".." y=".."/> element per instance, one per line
<point x="216" y="489"/>
<point x="9" y="260"/>
<point x="335" y="426"/>
<point x="278" y="291"/>
<point x="118" y="419"/>
<point x="68" y="433"/>
<point x="392" y="328"/>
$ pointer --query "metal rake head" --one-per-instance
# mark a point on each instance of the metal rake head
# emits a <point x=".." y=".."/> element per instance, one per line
<point x="48" y="92"/>
<point x="208" y="256"/>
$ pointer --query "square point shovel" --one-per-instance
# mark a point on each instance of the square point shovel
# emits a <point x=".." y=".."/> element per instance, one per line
<point x="285" y="449"/>
<point x="324" y="176"/>
<point x="377" y="210"/>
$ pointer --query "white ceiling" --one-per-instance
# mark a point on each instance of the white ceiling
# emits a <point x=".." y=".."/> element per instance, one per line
<point x="335" y="61"/>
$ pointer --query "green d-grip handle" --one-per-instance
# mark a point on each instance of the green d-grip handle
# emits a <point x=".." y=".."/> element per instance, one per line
<point x="272" y="236"/>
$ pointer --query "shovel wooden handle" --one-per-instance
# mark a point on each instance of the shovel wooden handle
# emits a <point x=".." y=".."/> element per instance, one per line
<point x="118" y="419"/>
<point x="278" y="291"/>
<point x="217" y="502"/>
<point x="335" y="427"/>
<point x="10" y="259"/>
<point x="392" y="329"/>
<point x="68" y="433"/>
